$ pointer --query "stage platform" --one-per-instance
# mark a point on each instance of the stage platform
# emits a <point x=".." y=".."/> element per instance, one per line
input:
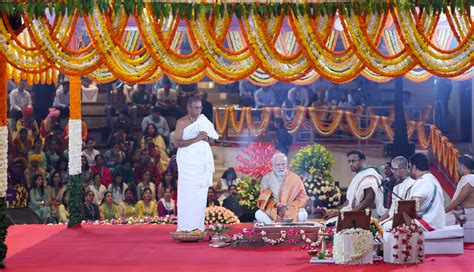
<point x="104" y="248"/>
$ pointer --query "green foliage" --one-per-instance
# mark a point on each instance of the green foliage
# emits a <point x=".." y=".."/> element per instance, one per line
<point x="249" y="190"/>
<point x="75" y="200"/>
<point x="314" y="160"/>
<point x="188" y="10"/>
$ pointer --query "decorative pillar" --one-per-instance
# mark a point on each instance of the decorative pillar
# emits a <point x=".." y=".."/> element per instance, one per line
<point x="3" y="159"/>
<point x="75" y="149"/>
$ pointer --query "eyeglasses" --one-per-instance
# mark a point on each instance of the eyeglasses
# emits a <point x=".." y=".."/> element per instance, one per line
<point x="197" y="108"/>
<point x="352" y="161"/>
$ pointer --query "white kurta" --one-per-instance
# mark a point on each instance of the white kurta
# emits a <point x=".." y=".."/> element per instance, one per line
<point x="368" y="178"/>
<point x="402" y="190"/>
<point x="195" y="171"/>
<point x="467" y="213"/>
<point x="431" y="208"/>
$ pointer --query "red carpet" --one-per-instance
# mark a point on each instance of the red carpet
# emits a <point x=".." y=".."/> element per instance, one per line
<point x="150" y="248"/>
<point x="445" y="184"/>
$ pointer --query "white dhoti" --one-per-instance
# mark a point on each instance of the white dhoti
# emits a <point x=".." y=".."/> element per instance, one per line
<point x="262" y="217"/>
<point x="195" y="171"/>
<point x="467" y="215"/>
<point x="191" y="211"/>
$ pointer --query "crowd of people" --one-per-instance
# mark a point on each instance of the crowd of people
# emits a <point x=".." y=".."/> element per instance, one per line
<point x="134" y="175"/>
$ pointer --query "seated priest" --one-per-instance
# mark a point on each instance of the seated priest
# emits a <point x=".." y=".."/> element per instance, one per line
<point x="364" y="191"/>
<point x="282" y="194"/>
<point x="428" y="193"/>
<point x="461" y="208"/>
<point x="404" y="183"/>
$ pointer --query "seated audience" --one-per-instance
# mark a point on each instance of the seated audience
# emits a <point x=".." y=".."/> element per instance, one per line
<point x="63" y="210"/>
<point x="141" y="103"/>
<point x="127" y="207"/>
<point x="103" y="170"/>
<point x="62" y="168"/>
<point x="246" y="93"/>
<point x="167" y="206"/>
<point x="147" y="207"/>
<point x="46" y="127"/>
<point x="114" y="157"/>
<point x="23" y="144"/>
<point x="90" y="210"/>
<point x="97" y="188"/>
<point x="159" y="145"/>
<point x="39" y="201"/>
<point x="283" y="138"/>
<point x="264" y="97"/>
<point x="116" y="102"/>
<point x="55" y="191"/>
<point x="117" y="188"/>
<point x="19" y="99"/>
<point x="28" y="122"/>
<point x="62" y="99"/>
<point x="231" y="202"/>
<point x="38" y="154"/>
<point x="290" y="105"/>
<point x="146" y="183"/>
<point x="86" y="173"/>
<point x="167" y="99"/>
<point x="108" y="209"/>
<point x="212" y="198"/>
<point x="53" y="154"/>
<point x="207" y="108"/>
<point x="90" y="153"/>
<point x="228" y="178"/>
<point x="89" y="90"/>
<point x="159" y="121"/>
<point x="167" y="180"/>
<point x="33" y="170"/>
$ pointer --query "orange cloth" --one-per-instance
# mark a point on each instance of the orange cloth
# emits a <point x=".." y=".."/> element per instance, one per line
<point x="292" y="194"/>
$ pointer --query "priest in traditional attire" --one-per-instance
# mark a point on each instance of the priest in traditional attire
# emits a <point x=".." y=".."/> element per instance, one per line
<point x="461" y="208"/>
<point x="282" y="194"/>
<point x="399" y="167"/>
<point x="194" y="133"/>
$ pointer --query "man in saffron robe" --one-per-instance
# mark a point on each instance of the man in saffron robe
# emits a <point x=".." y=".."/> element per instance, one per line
<point x="195" y="161"/>
<point x="282" y="194"/>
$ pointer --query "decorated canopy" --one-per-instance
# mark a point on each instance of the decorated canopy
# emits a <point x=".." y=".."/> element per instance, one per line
<point x="294" y="41"/>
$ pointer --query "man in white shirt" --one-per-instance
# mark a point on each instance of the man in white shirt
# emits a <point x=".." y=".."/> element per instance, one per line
<point x="19" y="99"/>
<point x="159" y="121"/>
<point x="167" y="99"/>
<point x="428" y="193"/>
<point x="61" y="101"/>
<point x="399" y="167"/>
<point x="265" y="97"/>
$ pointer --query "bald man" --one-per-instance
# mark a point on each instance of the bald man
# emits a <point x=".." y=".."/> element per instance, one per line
<point x="282" y="194"/>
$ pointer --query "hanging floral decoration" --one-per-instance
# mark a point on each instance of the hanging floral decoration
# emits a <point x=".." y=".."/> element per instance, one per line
<point x="275" y="40"/>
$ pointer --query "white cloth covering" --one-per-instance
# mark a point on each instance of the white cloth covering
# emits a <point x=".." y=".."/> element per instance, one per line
<point x="431" y="208"/>
<point x="195" y="168"/>
<point x="402" y="190"/>
<point x="367" y="178"/>
<point x="262" y="217"/>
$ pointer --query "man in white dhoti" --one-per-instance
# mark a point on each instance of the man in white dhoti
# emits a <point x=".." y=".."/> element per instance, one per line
<point x="399" y="167"/>
<point x="195" y="161"/>
<point x="365" y="189"/>
<point x="461" y="208"/>
<point x="282" y="194"/>
<point x="428" y="193"/>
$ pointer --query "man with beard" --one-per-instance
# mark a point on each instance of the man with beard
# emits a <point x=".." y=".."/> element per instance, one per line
<point x="365" y="190"/>
<point x="282" y="194"/>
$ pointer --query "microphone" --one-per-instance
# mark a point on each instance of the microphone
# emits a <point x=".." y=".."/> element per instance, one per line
<point x="384" y="185"/>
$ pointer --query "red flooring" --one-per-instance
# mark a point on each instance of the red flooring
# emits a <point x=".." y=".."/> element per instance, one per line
<point x="150" y="248"/>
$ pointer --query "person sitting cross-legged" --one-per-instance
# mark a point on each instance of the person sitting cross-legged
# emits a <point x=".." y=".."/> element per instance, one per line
<point x="282" y="194"/>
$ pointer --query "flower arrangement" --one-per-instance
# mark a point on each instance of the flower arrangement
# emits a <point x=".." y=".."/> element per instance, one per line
<point x="361" y="243"/>
<point x="249" y="190"/>
<point x="155" y="220"/>
<point x="314" y="160"/>
<point x="220" y="215"/>
<point x="407" y="237"/>
<point x="218" y="228"/>
<point x="313" y="164"/>
<point x="257" y="165"/>
<point x="259" y="162"/>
